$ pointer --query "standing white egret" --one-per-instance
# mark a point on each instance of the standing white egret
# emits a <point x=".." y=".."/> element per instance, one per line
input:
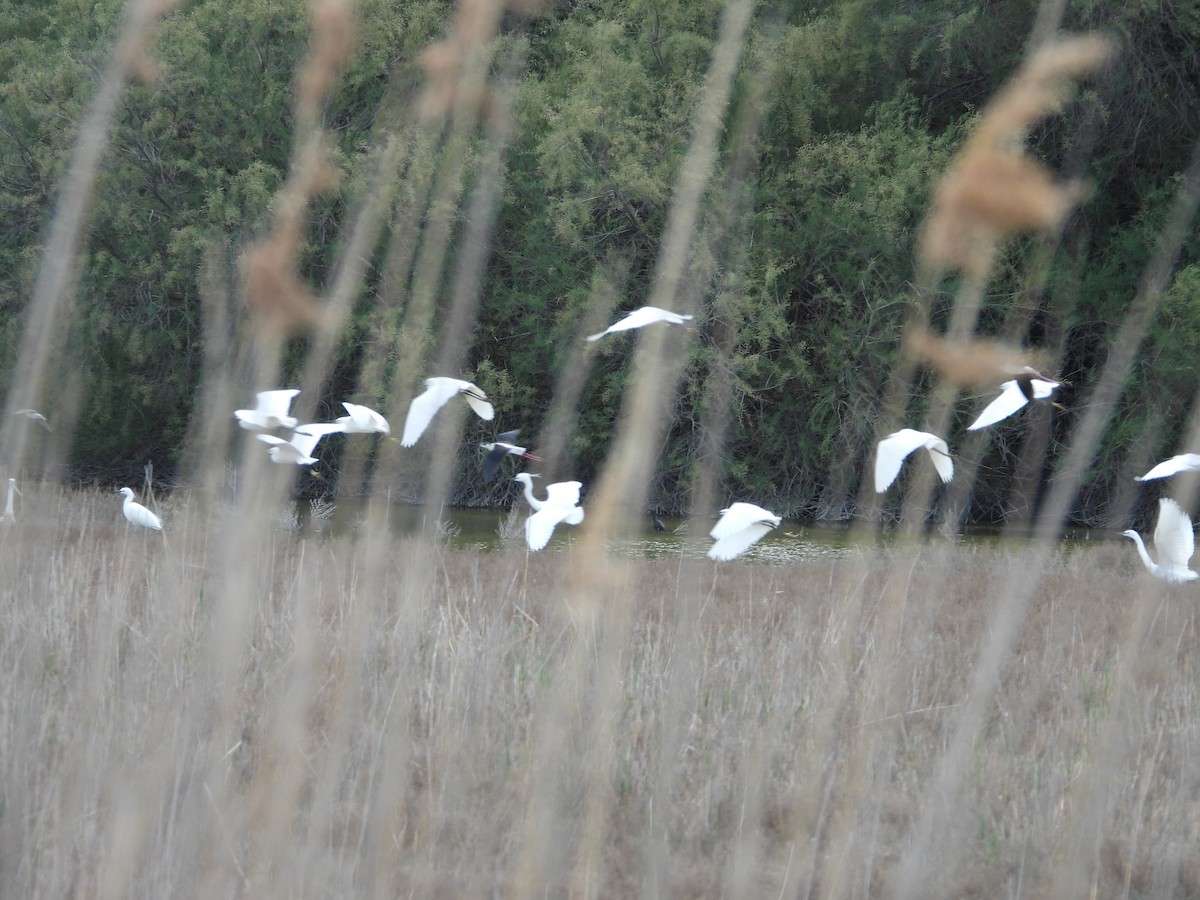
<point x="10" y="514"/>
<point x="740" y="525"/>
<point x="34" y="416"/>
<point x="299" y="450"/>
<point x="1028" y="385"/>
<point x="1184" y="462"/>
<point x="560" y="505"/>
<point x="138" y="514"/>
<point x="500" y="448"/>
<point x="1174" y="541"/>
<point x="438" y="392"/>
<point x="363" y="420"/>
<point x="271" y="411"/>
<point x="640" y="318"/>
<point x="896" y="447"/>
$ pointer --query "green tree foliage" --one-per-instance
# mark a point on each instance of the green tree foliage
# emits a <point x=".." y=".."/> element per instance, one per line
<point x="844" y="116"/>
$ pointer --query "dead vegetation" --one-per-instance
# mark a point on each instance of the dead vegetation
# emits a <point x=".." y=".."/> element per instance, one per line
<point x="772" y="735"/>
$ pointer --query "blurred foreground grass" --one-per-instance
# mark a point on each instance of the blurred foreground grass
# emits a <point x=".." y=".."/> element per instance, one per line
<point x="444" y="722"/>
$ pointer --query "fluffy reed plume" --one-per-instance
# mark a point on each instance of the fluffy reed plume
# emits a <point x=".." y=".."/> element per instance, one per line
<point x="970" y="363"/>
<point x="132" y="51"/>
<point x="450" y="84"/>
<point x="334" y="28"/>
<point x="994" y="189"/>
<point x="274" y="291"/>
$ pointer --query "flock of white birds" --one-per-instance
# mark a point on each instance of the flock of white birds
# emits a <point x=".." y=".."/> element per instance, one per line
<point x="740" y="525"/>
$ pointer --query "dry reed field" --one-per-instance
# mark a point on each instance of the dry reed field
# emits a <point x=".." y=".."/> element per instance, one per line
<point x="443" y="722"/>
<point x="230" y="708"/>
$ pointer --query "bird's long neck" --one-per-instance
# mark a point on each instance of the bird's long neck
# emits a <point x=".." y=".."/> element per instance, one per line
<point x="1141" y="548"/>
<point x="533" y="501"/>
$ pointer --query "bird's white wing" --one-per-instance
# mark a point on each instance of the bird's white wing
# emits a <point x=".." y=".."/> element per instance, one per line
<point x="363" y="419"/>
<point x="1173" y="536"/>
<point x="563" y="493"/>
<point x="892" y="452"/>
<point x="540" y="525"/>
<point x="482" y="408"/>
<point x="639" y="318"/>
<point x="1183" y="463"/>
<point x="306" y="436"/>
<point x="734" y="544"/>
<point x="575" y="516"/>
<point x="939" y="452"/>
<point x="739" y="516"/>
<point x="1010" y="400"/>
<point x="276" y="403"/>
<point x="421" y="411"/>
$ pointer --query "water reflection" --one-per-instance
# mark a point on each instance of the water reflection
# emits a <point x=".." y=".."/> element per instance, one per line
<point x="498" y="528"/>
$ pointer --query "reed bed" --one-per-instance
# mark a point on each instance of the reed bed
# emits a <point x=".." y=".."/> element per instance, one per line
<point x="775" y="737"/>
<point x="233" y="709"/>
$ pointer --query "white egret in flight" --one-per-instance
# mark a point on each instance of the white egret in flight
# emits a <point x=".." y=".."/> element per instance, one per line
<point x="10" y="514"/>
<point x="270" y="412"/>
<point x="363" y="420"/>
<point x="34" y="416"/>
<point x="438" y="392"/>
<point x="500" y="448"/>
<point x="138" y="514"/>
<point x="896" y="447"/>
<point x="299" y="450"/>
<point x="560" y="505"/>
<point x="639" y="318"/>
<point x="1174" y="541"/>
<point x="1185" y="462"/>
<point x="1028" y="385"/>
<point x="741" y="525"/>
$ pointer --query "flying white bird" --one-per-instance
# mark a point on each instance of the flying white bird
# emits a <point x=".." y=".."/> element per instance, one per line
<point x="896" y="447"/>
<point x="9" y="513"/>
<point x="299" y="450"/>
<point x="363" y="420"/>
<point x="438" y="392"/>
<point x="741" y="525"/>
<point x="138" y="514"/>
<point x="34" y="416"/>
<point x="639" y="318"/>
<point x="560" y="505"/>
<point x="1185" y="462"/>
<point x="1174" y="541"/>
<point x="1028" y="385"/>
<point x="270" y="412"/>
<point x="500" y="448"/>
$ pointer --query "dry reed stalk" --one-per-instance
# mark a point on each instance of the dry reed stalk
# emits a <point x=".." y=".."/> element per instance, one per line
<point x="993" y="189"/>
<point x="1012" y="603"/>
<point x="51" y="307"/>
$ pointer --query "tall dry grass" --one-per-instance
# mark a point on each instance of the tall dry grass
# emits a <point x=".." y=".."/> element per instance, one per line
<point x="232" y="710"/>
<point x="365" y="739"/>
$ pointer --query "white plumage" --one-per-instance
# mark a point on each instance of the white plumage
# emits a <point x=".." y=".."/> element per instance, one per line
<point x="438" y="392"/>
<point x="560" y="505"/>
<point x="1185" y="462"/>
<point x="363" y="420"/>
<point x="10" y="514"/>
<point x="138" y="514"/>
<point x="640" y="318"/>
<point x="740" y="525"/>
<point x="1174" y="542"/>
<point x="299" y="450"/>
<point x="271" y="411"/>
<point x="1014" y="395"/>
<point x="896" y="447"/>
